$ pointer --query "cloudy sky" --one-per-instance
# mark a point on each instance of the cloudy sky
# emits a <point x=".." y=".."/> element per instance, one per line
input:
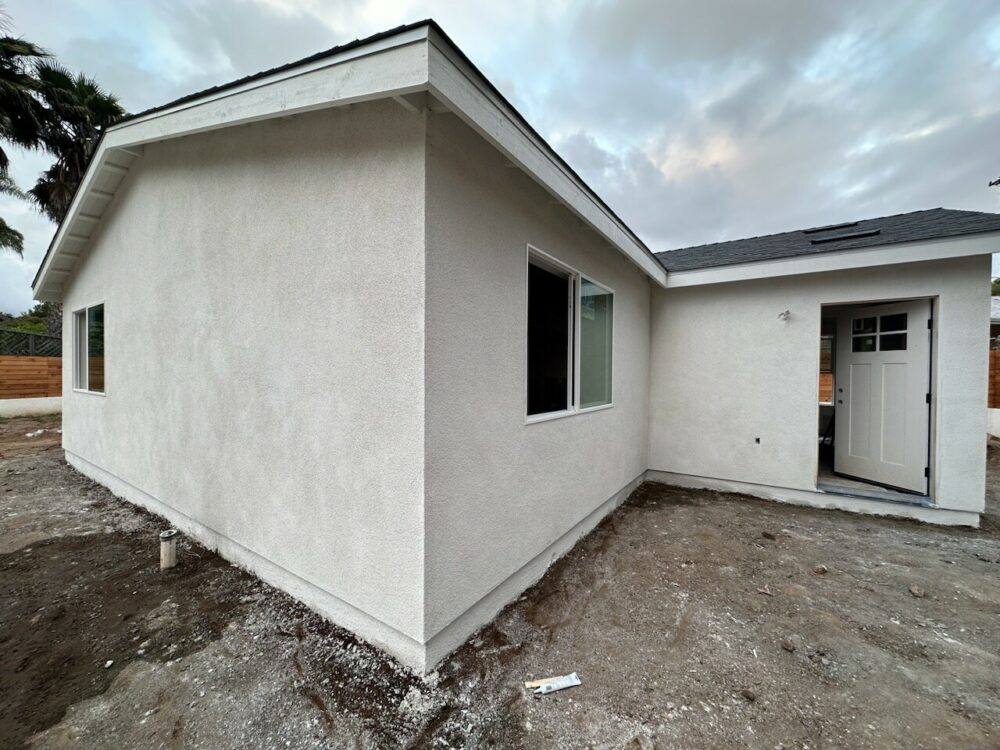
<point x="696" y="121"/>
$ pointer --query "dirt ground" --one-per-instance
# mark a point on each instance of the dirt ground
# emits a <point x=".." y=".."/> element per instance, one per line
<point x="694" y="620"/>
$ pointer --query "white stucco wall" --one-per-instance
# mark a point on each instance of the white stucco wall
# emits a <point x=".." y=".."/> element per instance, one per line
<point x="29" y="407"/>
<point x="726" y="371"/>
<point x="503" y="498"/>
<point x="263" y="289"/>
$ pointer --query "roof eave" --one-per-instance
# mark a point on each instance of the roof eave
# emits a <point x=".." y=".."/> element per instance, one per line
<point x="455" y="80"/>
<point x="414" y="59"/>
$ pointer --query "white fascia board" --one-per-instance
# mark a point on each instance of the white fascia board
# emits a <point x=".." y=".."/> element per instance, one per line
<point x="882" y="255"/>
<point x="455" y="83"/>
<point x="393" y="66"/>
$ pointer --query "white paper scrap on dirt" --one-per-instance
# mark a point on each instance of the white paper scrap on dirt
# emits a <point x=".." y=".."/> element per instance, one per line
<point x="552" y="684"/>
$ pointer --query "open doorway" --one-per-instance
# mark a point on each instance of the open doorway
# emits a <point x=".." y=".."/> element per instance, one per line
<point x="874" y="400"/>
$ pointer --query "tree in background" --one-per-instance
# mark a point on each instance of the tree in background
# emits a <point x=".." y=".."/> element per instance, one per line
<point x="21" y="114"/>
<point x="78" y="111"/>
<point x="36" y="320"/>
<point x="45" y="106"/>
<point x="995" y="288"/>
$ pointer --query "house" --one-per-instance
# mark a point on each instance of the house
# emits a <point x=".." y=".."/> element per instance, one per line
<point x="354" y="324"/>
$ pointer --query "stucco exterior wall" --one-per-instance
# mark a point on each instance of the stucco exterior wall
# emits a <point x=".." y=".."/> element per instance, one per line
<point x="504" y="497"/>
<point x="726" y="370"/>
<point x="264" y="304"/>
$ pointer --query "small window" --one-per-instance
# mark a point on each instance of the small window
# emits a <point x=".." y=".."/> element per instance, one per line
<point x="88" y="349"/>
<point x="863" y="325"/>
<point x="863" y="344"/>
<point x="895" y="322"/>
<point x="826" y="354"/>
<point x="596" y="324"/>
<point x="892" y="342"/>
<point x="570" y="339"/>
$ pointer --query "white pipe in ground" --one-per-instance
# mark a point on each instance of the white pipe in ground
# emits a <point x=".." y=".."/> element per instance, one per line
<point x="168" y="548"/>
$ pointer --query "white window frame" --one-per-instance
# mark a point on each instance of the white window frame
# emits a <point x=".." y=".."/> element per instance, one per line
<point x="81" y="360"/>
<point x="535" y="256"/>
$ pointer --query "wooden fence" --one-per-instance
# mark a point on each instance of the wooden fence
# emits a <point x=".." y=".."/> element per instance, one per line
<point x="826" y="387"/>
<point x="14" y="343"/>
<point x="994" y="399"/>
<point x="30" y="377"/>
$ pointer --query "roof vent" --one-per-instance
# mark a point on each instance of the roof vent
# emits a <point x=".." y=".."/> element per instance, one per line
<point x="851" y="236"/>
<point x="830" y="227"/>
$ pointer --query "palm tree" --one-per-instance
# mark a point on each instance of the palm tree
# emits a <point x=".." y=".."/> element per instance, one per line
<point x="21" y="115"/>
<point x="77" y="113"/>
<point x="10" y="238"/>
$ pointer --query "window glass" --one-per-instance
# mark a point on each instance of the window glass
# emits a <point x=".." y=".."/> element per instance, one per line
<point x="892" y="322"/>
<point x="80" y="349"/>
<point x="95" y="348"/>
<point x="596" y="325"/>
<point x="863" y="325"/>
<point x="863" y="344"/>
<point x="826" y="354"/>
<point x="548" y="340"/>
<point x="890" y="342"/>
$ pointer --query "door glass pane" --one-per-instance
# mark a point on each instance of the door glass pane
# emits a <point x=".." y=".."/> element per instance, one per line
<point x="548" y="341"/>
<point x="596" y="311"/>
<point x="95" y="348"/>
<point x="892" y="322"/>
<point x="863" y="343"/>
<point x="863" y="325"/>
<point x="892" y="342"/>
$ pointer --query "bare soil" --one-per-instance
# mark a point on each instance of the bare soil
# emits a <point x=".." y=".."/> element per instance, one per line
<point x="694" y="619"/>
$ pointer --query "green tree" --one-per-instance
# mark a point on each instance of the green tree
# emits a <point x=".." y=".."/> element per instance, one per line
<point x="21" y="114"/>
<point x="33" y="321"/>
<point x="995" y="287"/>
<point x="78" y="111"/>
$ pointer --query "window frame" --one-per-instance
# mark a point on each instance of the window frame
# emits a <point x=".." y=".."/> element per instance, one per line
<point x="538" y="257"/>
<point x="878" y="333"/>
<point x="81" y="364"/>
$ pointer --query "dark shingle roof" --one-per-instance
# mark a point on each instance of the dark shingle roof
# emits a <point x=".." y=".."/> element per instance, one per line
<point x="931" y="224"/>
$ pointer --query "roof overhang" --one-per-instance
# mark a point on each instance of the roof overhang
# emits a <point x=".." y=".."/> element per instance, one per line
<point x="416" y="59"/>
<point x="879" y="255"/>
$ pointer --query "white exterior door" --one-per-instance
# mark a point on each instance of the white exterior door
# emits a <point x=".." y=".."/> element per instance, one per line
<point x="881" y="394"/>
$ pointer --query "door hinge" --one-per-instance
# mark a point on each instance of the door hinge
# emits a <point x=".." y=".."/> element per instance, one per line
<point x="927" y="471"/>
<point x="928" y="398"/>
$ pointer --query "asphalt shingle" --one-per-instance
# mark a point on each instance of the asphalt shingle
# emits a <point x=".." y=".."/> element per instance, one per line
<point x="934" y="223"/>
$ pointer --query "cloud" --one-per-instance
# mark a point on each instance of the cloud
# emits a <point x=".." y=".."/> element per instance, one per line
<point x="695" y="121"/>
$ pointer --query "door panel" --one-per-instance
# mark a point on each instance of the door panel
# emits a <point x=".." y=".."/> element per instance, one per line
<point x="859" y="424"/>
<point x="880" y="394"/>
<point x="894" y="413"/>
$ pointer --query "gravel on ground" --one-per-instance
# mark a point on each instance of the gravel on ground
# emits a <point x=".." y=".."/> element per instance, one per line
<point x="694" y="619"/>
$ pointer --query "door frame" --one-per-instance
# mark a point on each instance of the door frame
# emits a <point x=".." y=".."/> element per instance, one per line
<point x="928" y="496"/>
